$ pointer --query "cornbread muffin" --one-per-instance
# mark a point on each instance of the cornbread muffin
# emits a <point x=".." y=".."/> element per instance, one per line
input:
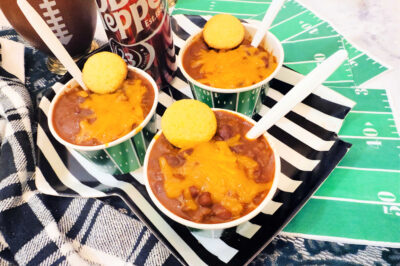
<point x="223" y="31"/>
<point x="104" y="72"/>
<point x="188" y="122"/>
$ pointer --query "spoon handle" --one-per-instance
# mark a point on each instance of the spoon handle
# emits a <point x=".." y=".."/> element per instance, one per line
<point x="50" y="39"/>
<point x="298" y="93"/>
<point x="267" y="21"/>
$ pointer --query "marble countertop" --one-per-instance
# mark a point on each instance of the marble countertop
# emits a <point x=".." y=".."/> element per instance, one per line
<point x="373" y="26"/>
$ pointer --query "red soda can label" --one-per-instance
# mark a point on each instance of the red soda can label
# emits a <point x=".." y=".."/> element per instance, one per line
<point x="140" y="32"/>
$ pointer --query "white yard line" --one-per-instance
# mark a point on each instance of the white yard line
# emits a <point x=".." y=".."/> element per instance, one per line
<point x="357" y="56"/>
<point x="288" y="19"/>
<point x="301" y="62"/>
<point x="343" y="240"/>
<point x="241" y="1"/>
<point x="369" y="169"/>
<point x="371" y="112"/>
<point x="357" y="201"/>
<point x="301" y="32"/>
<point x="354" y="87"/>
<point x="339" y="81"/>
<point x="366" y="137"/>
<point x="215" y="12"/>
<point x="315" y="38"/>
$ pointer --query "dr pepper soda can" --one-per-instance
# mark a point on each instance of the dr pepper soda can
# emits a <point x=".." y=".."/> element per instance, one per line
<point x="140" y="32"/>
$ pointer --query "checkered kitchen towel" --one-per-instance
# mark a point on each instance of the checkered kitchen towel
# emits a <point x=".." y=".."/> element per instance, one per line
<point x="36" y="228"/>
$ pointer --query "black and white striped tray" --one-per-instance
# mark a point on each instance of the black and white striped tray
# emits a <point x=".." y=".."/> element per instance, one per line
<point x="306" y="139"/>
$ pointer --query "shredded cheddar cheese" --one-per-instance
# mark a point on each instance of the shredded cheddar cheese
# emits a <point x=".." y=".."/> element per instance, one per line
<point x="106" y="125"/>
<point x="240" y="67"/>
<point x="213" y="167"/>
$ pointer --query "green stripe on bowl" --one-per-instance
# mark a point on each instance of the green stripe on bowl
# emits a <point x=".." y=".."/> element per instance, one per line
<point x="263" y="91"/>
<point x="247" y="101"/>
<point x="140" y="146"/>
<point x="148" y="136"/>
<point x="225" y="100"/>
<point x="124" y="156"/>
<point x="202" y="95"/>
<point x="150" y="130"/>
<point x="101" y="159"/>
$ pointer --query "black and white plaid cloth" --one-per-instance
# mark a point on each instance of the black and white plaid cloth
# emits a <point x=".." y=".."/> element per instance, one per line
<point x="36" y="228"/>
<point x="41" y="229"/>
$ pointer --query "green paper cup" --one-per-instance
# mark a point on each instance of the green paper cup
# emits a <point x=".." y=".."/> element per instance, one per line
<point x="123" y="155"/>
<point x="245" y="100"/>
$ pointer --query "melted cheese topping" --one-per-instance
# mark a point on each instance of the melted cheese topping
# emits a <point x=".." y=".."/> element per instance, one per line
<point x="213" y="167"/>
<point x="240" y="67"/>
<point x="114" y="114"/>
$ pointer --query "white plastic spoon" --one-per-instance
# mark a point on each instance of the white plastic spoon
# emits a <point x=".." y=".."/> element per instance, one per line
<point x="50" y="39"/>
<point x="298" y="93"/>
<point x="267" y="21"/>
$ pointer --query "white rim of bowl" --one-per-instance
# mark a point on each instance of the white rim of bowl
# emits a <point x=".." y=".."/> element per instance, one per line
<point x="216" y="226"/>
<point x="270" y="36"/>
<point x="72" y="83"/>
